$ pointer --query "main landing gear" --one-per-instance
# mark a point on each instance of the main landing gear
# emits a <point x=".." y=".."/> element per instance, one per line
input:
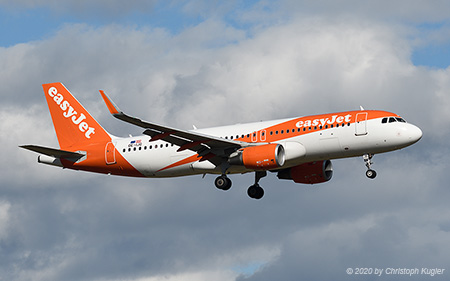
<point x="223" y="182"/>
<point x="371" y="174"/>
<point x="255" y="191"/>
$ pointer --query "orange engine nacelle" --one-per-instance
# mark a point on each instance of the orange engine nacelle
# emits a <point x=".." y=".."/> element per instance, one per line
<point x="261" y="157"/>
<point x="312" y="172"/>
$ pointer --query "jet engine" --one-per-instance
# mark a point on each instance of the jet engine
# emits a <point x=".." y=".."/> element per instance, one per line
<point x="309" y="173"/>
<point x="261" y="157"/>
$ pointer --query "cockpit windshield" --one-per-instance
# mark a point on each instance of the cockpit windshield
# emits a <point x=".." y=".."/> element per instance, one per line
<point x="392" y="120"/>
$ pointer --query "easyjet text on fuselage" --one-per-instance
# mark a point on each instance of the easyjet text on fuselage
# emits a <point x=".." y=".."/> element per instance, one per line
<point x="324" y="121"/>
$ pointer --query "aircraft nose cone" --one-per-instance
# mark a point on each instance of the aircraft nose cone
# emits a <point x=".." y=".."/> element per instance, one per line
<point x="415" y="134"/>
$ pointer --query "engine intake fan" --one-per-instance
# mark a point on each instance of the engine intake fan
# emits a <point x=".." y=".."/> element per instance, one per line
<point x="261" y="157"/>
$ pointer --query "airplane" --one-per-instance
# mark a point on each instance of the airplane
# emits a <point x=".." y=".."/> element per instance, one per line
<point x="298" y="149"/>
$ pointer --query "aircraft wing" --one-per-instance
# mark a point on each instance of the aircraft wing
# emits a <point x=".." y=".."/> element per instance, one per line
<point x="57" y="153"/>
<point x="203" y="144"/>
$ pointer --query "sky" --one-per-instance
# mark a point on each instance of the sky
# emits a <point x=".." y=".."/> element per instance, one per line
<point x="212" y="63"/>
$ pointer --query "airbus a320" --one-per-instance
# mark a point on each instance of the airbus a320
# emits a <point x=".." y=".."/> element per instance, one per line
<point x="298" y="149"/>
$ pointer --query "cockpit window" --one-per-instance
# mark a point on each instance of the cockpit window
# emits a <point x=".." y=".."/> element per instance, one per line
<point x="392" y="120"/>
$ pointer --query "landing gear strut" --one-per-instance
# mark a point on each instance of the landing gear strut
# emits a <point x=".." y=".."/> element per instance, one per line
<point x="255" y="191"/>
<point x="371" y="174"/>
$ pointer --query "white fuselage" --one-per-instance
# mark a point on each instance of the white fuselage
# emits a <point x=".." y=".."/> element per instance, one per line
<point x="152" y="158"/>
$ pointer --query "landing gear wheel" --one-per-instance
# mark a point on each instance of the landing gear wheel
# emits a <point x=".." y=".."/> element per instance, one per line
<point x="223" y="182"/>
<point x="255" y="191"/>
<point x="371" y="174"/>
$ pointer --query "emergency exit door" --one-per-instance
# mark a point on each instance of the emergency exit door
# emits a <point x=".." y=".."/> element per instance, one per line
<point x="110" y="154"/>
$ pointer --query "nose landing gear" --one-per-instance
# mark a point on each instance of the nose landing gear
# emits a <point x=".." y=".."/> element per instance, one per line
<point x="371" y="174"/>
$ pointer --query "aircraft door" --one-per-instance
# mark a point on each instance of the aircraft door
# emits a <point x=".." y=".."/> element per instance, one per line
<point x="361" y="124"/>
<point x="110" y="154"/>
<point x="263" y="135"/>
<point x="254" y="137"/>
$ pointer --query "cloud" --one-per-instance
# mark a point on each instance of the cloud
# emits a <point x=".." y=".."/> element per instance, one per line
<point x="258" y="13"/>
<point x="58" y="224"/>
<point x="4" y="219"/>
<point x="409" y="11"/>
<point x="387" y="241"/>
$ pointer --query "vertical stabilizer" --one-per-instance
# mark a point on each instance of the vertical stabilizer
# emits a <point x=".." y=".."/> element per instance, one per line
<point x="74" y="126"/>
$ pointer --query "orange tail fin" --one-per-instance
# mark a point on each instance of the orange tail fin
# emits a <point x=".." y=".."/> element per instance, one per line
<point x="74" y="126"/>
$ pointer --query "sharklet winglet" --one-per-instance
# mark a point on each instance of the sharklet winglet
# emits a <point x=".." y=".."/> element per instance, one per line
<point x="113" y="108"/>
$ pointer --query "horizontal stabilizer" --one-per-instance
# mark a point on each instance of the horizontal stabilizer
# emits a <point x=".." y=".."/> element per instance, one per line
<point x="53" y="152"/>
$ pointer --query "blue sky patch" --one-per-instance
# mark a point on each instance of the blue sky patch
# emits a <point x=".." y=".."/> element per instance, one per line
<point x="434" y="47"/>
<point x="437" y="56"/>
